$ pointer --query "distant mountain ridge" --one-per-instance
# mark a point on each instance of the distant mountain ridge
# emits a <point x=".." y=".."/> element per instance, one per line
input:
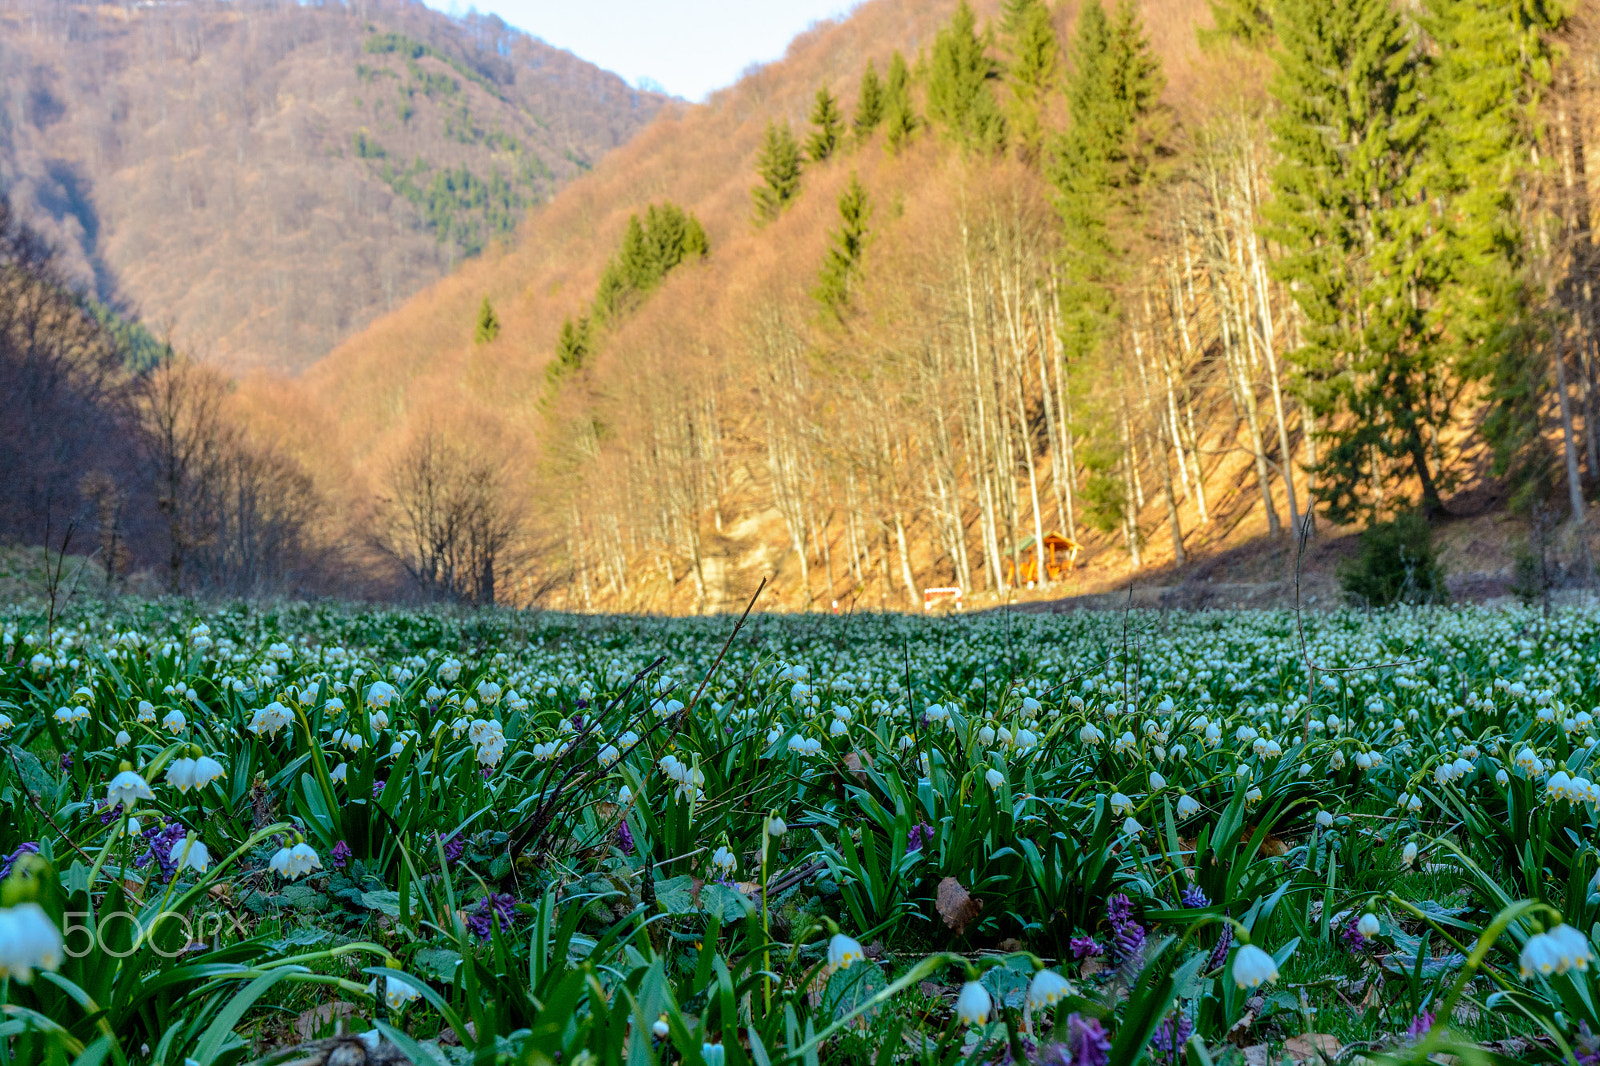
<point x="262" y="179"/>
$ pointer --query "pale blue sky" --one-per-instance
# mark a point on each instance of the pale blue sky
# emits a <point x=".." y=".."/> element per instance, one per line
<point x="690" y="47"/>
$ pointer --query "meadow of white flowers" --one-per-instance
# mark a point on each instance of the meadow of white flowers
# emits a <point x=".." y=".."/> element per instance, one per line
<point x="1090" y="838"/>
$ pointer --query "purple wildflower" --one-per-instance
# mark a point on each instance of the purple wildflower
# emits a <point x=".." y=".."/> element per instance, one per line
<point x="1588" y="1046"/>
<point x="1088" y="1041"/>
<point x="1420" y="1025"/>
<point x="1169" y="1038"/>
<point x="624" y="838"/>
<point x="340" y="855"/>
<point x="919" y="835"/>
<point x="493" y="909"/>
<point x="1355" y="941"/>
<point x="28" y="848"/>
<point x="1084" y="946"/>
<point x="377" y="788"/>
<point x="1127" y="936"/>
<point x="66" y="761"/>
<point x="1219" y="954"/>
<point x="111" y="813"/>
<point x="159" y="840"/>
<point x="1194" y="897"/>
<point x="453" y="847"/>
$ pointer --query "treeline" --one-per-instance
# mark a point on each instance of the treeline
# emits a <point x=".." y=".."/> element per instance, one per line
<point x="1326" y="294"/>
<point x="130" y="455"/>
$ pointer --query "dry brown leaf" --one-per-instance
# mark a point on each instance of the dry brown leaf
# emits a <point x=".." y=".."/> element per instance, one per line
<point x="1313" y="1047"/>
<point x="956" y="905"/>
<point x="309" y="1024"/>
<point x="1273" y="847"/>
<point x="855" y="762"/>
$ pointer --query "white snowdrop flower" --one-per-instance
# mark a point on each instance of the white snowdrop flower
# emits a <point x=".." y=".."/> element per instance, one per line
<point x="1047" y="989"/>
<point x="1305" y="769"/>
<point x="379" y="720"/>
<point x="1558" y="785"/>
<point x="1414" y="803"/>
<point x="1131" y="827"/>
<point x="1572" y="947"/>
<point x="973" y="1004"/>
<point x="1125" y="744"/>
<point x="1252" y="796"/>
<point x="843" y="950"/>
<point x="127" y="788"/>
<point x="147" y="712"/>
<point x="1336" y="760"/>
<point x="1325" y="819"/>
<point x="190" y="854"/>
<point x="1120" y="804"/>
<point x="1528" y="762"/>
<point x="1253" y="967"/>
<point x="723" y="861"/>
<point x="994" y="777"/>
<point x="340" y="773"/>
<point x="1364" y="760"/>
<point x="175" y="722"/>
<point x="659" y="1028"/>
<point x="776" y="826"/>
<point x="1090" y="734"/>
<point x="1502" y="778"/>
<point x="397" y="991"/>
<point x="1541" y="955"/>
<point x="986" y="735"/>
<point x="180" y="774"/>
<point x="124" y="738"/>
<point x="294" y="862"/>
<point x="1368" y="925"/>
<point x="1187" y="807"/>
<point x="449" y="670"/>
<point x="29" y="941"/>
<point x="837" y="728"/>
<point x="609" y="754"/>
<point x="1157" y="782"/>
<point x="1026" y="739"/>
<point x="1408" y="854"/>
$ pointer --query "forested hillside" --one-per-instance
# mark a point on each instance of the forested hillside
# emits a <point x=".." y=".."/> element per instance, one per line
<point x="261" y="179"/>
<point x="1165" y="278"/>
<point x="1161" y="277"/>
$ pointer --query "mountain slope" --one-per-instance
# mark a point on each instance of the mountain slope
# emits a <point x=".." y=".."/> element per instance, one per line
<point x="262" y="179"/>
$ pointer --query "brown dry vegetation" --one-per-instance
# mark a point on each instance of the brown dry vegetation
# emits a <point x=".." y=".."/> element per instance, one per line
<point x="196" y="162"/>
<point x="725" y="432"/>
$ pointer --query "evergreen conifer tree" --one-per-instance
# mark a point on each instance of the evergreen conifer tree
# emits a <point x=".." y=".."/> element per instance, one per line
<point x="1100" y="165"/>
<point x="828" y="121"/>
<point x="847" y="244"/>
<point x="1248" y="22"/>
<point x="572" y="347"/>
<point x="488" y="327"/>
<point x="869" y="103"/>
<point x="1491" y="64"/>
<point x="1351" y="219"/>
<point x="959" y="97"/>
<point x="779" y="167"/>
<point x="899" y="119"/>
<point x="1032" y="73"/>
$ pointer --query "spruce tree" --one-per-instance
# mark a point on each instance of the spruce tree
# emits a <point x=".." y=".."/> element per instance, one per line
<point x="959" y="97"/>
<point x="572" y="347"/>
<point x="1352" y="220"/>
<point x="1491" y="65"/>
<point x="1032" y="72"/>
<point x="779" y="167"/>
<point x="1248" y="22"/>
<point x="1100" y="166"/>
<point x="488" y="327"/>
<point x="869" y="103"/>
<point x="846" y="246"/>
<point x="828" y="121"/>
<point x="899" y="119"/>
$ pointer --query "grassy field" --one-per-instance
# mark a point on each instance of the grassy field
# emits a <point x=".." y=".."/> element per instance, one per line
<point x="1095" y="838"/>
